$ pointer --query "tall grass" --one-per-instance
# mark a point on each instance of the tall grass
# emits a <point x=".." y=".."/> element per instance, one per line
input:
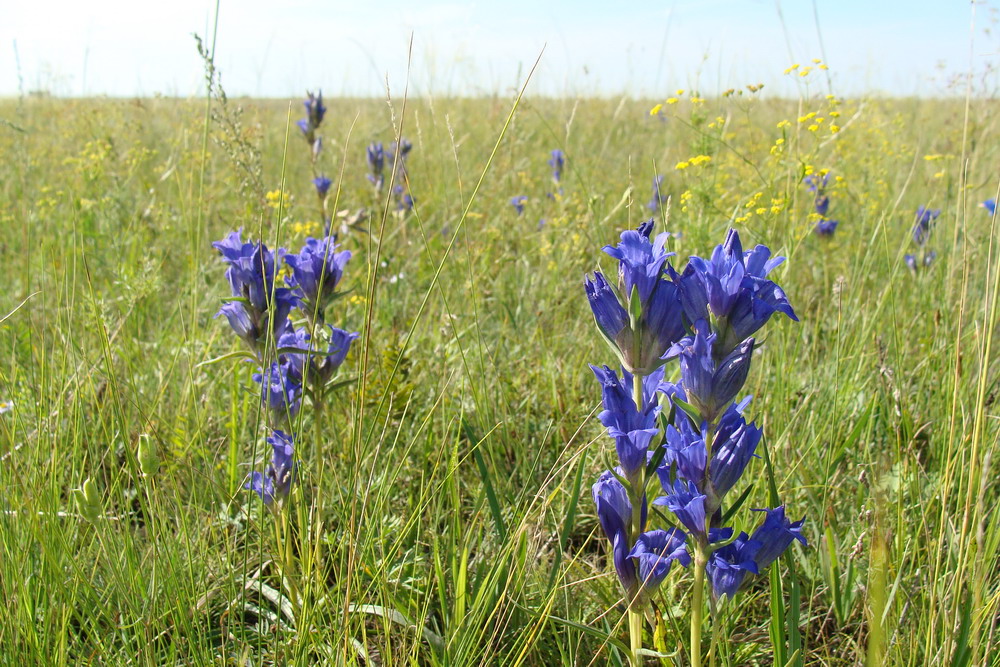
<point x="444" y="518"/>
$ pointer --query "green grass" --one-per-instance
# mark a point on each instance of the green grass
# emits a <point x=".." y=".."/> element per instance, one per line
<point x="444" y="514"/>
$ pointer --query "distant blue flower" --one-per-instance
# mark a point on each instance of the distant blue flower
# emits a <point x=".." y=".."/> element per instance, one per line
<point x="775" y="535"/>
<point x="317" y="270"/>
<point x="659" y="198"/>
<point x="655" y="551"/>
<point x="615" y="514"/>
<point x="280" y="390"/>
<point x="826" y="227"/>
<point x="915" y="264"/>
<point x="557" y="161"/>
<point x="403" y="148"/>
<point x="817" y="183"/>
<point x="518" y="203"/>
<point x="632" y="428"/>
<point x="990" y="205"/>
<point x="315" y="109"/>
<point x="322" y="184"/>
<point x="710" y="385"/>
<point x="376" y="165"/>
<point x="822" y="205"/>
<point x="276" y="480"/>
<point x="728" y="565"/>
<point x="688" y="505"/>
<point x="925" y="218"/>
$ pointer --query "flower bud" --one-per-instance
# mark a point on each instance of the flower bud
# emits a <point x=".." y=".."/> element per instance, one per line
<point x="149" y="460"/>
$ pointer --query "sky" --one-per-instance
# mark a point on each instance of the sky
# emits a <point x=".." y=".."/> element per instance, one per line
<point x="275" y="48"/>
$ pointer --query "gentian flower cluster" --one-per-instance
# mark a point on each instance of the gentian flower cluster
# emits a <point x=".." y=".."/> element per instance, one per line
<point x="293" y="361"/>
<point x="315" y="112"/>
<point x="705" y="316"/>
<point x="378" y="156"/>
<point x="921" y="233"/>
<point x="816" y="184"/>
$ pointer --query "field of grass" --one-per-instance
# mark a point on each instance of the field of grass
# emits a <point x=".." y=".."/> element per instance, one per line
<point x="442" y="511"/>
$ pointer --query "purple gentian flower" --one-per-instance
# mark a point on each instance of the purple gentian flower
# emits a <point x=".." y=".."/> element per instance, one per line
<point x="688" y="505"/>
<point x="322" y="184"/>
<point x="732" y="448"/>
<point x="990" y="205"/>
<point x="557" y="161"/>
<point x="518" y="203"/>
<point x="654" y="552"/>
<point x="632" y="428"/>
<point x="276" y="480"/>
<point x="817" y="183"/>
<point x="280" y="389"/>
<point x="925" y="218"/>
<point x="376" y="165"/>
<point x="728" y="565"/>
<point x="775" y="535"/>
<point x="822" y="205"/>
<point x="615" y="514"/>
<point x="710" y="385"/>
<point x="317" y="270"/>
<point x="826" y="227"/>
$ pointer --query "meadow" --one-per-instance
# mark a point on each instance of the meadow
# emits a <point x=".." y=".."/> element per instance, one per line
<point x="441" y="510"/>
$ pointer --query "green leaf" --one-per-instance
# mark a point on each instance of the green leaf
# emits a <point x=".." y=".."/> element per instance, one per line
<point x="232" y="355"/>
<point x="737" y="504"/>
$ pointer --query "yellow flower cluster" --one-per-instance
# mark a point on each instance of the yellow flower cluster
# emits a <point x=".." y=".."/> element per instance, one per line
<point x="695" y="161"/>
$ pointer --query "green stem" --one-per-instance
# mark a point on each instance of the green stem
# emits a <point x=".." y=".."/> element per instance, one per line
<point x="635" y="635"/>
<point x="634" y="610"/>
<point x="697" y="604"/>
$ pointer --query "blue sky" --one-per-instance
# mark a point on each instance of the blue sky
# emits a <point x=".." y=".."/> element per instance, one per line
<point x="278" y="49"/>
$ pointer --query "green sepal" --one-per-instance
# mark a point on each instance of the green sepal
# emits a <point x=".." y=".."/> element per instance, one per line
<point x="232" y="355"/>
<point x="690" y="411"/>
<point x="655" y="462"/>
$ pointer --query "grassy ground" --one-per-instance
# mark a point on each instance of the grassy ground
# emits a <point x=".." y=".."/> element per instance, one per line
<point x="444" y="514"/>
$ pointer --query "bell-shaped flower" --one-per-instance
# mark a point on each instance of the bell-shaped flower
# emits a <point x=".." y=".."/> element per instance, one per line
<point x="728" y="566"/>
<point x="322" y="184"/>
<point x="316" y="271"/>
<point x="614" y="511"/>
<point x="732" y="448"/>
<point x="826" y="227"/>
<point x="281" y="391"/>
<point x="557" y="161"/>
<point x="685" y="453"/>
<point x="709" y="385"/>
<point x="654" y="552"/>
<point x="922" y="224"/>
<point x="276" y="480"/>
<point x="632" y="428"/>
<point x="640" y="261"/>
<point x="822" y="205"/>
<point x="376" y="165"/>
<point x="775" y="535"/>
<point x="687" y="504"/>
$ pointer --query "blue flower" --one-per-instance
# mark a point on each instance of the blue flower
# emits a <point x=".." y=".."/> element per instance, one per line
<point x="687" y="504"/>
<point x="654" y="552"/>
<point x="826" y="227"/>
<point x="659" y="199"/>
<point x="990" y="205"/>
<point x="276" y="480"/>
<point x="775" y="535"/>
<point x="614" y="511"/>
<point x="925" y="218"/>
<point x="317" y="270"/>
<point x="518" y="203"/>
<point x="685" y="449"/>
<point x="322" y="184"/>
<point x="632" y="428"/>
<point x="307" y="359"/>
<point x="640" y="261"/>
<point x="314" y="108"/>
<point x="376" y="165"/>
<point x="822" y="205"/>
<point x="710" y="385"/>
<point x="732" y="448"/>
<point x="817" y="183"/>
<point x="557" y="161"/>
<point x="727" y="567"/>
<point x="915" y="264"/>
<point x="280" y="389"/>
<point x="261" y="305"/>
